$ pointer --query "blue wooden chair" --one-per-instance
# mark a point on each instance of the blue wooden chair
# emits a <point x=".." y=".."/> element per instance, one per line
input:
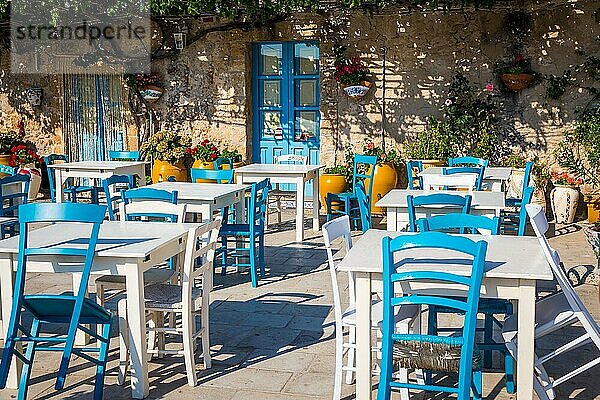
<point x="467" y="161"/>
<point x="364" y="168"/>
<point x="221" y="161"/>
<point x="413" y="168"/>
<point x="113" y="186"/>
<point x="150" y="195"/>
<point x="422" y="351"/>
<point x="74" y="310"/>
<point x="515" y="201"/>
<point x="114" y="155"/>
<point x="70" y="190"/>
<point x="489" y="307"/>
<point x="7" y="169"/>
<point x="253" y="230"/>
<point x="480" y="171"/>
<point x="516" y="221"/>
<point x="216" y="175"/>
<point x="438" y="200"/>
<point x="10" y="200"/>
<point x="364" y="207"/>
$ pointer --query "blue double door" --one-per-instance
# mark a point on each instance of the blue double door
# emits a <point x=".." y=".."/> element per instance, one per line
<point x="285" y="98"/>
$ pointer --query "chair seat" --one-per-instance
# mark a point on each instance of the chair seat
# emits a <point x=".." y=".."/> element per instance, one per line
<point x="151" y="276"/>
<point x="405" y="314"/>
<point x="237" y="230"/>
<point x="431" y="355"/>
<point x="80" y="188"/>
<point x="513" y="202"/>
<point x="486" y="306"/>
<point x="166" y="296"/>
<point x="341" y="196"/>
<point x="281" y="193"/>
<point x="59" y="309"/>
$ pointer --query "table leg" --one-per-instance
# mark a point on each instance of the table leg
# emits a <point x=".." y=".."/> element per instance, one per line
<point x="392" y="219"/>
<point x="59" y="185"/>
<point x="136" y="318"/>
<point x="525" y="354"/>
<point x="143" y="175"/>
<point x="81" y="338"/>
<point x="6" y="287"/>
<point x="316" y="207"/>
<point x="363" y="336"/>
<point x="299" y="210"/>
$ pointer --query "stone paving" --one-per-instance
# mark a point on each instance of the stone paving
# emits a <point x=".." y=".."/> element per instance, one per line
<point x="276" y="342"/>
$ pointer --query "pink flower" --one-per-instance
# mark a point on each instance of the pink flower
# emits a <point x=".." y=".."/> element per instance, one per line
<point x="489" y="87"/>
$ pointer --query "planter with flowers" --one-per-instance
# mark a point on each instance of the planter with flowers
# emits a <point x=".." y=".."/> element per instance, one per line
<point x="147" y="85"/>
<point x="168" y="151"/>
<point x="516" y="73"/>
<point x="386" y="174"/>
<point x="333" y="180"/>
<point x="234" y="156"/>
<point x="28" y="162"/>
<point x="8" y="140"/>
<point x="204" y="156"/>
<point x="351" y="74"/>
<point x="564" y="198"/>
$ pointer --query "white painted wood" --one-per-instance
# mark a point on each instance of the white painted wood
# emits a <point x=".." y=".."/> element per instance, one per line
<point x="363" y="335"/>
<point x="316" y="206"/>
<point x="6" y="288"/>
<point x="277" y="169"/>
<point x="494" y="178"/>
<point x="456" y="181"/>
<point x="300" y="209"/>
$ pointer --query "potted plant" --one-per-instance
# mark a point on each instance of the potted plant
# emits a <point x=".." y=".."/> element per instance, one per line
<point x="386" y="174"/>
<point x="204" y="154"/>
<point x="517" y="163"/>
<point x="564" y="198"/>
<point x="516" y="73"/>
<point x="234" y="155"/>
<point x="8" y="140"/>
<point x="433" y="146"/>
<point x="351" y="74"/>
<point x="168" y="151"/>
<point x="146" y="85"/>
<point x="540" y="175"/>
<point x="28" y="161"/>
<point x="579" y="153"/>
<point x="334" y="179"/>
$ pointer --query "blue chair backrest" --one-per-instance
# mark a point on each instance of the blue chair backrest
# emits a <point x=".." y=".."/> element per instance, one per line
<point x="527" y="196"/>
<point x="413" y="166"/>
<point x="461" y="222"/>
<point x="12" y="199"/>
<point x="437" y="199"/>
<point x="50" y="160"/>
<point x="258" y="201"/>
<point x="7" y="169"/>
<point x="124" y="155"/>
<point x="480" y="171"/>
<point x="219" y="162"/>
<point x="466" y="161"/>
<point x="393" y="249"/>
<point x="364" y="168"/>
<point x="217" y="175"/>
<point x="126" y="182"/>
<point x="150" y="194"/>
<point x="527" y="176"/>
<point x="364" y="205"/>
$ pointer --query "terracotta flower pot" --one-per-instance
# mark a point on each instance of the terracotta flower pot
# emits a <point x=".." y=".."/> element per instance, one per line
<point x="331" y="183"/>
<point x="384" y="181"/>
<point x="204" y="165"/>
<point x="564" y="200"/>
<point x="162" y="170"/>
<point x="517" y="82"/>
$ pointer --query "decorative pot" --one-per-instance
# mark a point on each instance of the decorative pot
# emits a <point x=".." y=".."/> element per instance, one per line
<point x="384" y="181"/>
<point x="151" y="93"/>
<point x="593" y="238"/>
<point x="517" y="82"/>
<point x="539" y="197"/>
<point x="199" y="164"/>
<point x="357" y="92"/>
<point x="331" y="183"/>
<point x="35" y="180"/>
<point x="593" y="207"/>
<point x="162" y="170"/>
<point x="515" y="183"/>
<point x="564" y="200"/>
<point x="5" y="159"/>
<point x="34" y="96"/>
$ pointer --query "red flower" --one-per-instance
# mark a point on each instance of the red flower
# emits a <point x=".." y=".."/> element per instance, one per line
<point x="213" y="148"/>
<point x="519" y="58"/>
<point x="204" y="142"/>
<point x="213" y="156"/>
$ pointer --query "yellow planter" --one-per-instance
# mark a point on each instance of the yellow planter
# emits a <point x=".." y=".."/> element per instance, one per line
<point x="331" y="183"/>
<point x="433" y="163"/>
<point x="384" y="181"/>
<point x="162" y="170"/>
<point x="203" y="165"/>
<point x="5" y="160"/>
<point x="593" y="207"/>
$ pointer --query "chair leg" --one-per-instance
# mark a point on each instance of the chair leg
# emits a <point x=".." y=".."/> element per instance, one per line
<point x="509" y="372"/>
<point x="253" y="273"/>
<point x="188" y="325"/>
<point x="100" y="299"/>
<point x="261" y="254"/>
<point x="328" y="202"/>
<point x="279" y="210"/>
<point x="477" y="386"/>
<point x="206" y="335"/>
<point x="339" y="361"/>
<point x="351" y="351"/>
<point x="160" y="323"/>
<point x="488" y="331"/>
<point x="101" y="367"/>
<point x="223" y="255"/>
<point x="123" y="342"/>
<point x="29" y="355"/>
<point x="152" y="335"/>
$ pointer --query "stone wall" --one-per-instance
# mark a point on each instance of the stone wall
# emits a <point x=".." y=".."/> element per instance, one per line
<point x="209" y="83"/>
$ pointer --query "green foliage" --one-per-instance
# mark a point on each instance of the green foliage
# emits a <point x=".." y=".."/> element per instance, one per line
<point x="434" y="143"/>
<point x="10" y="139"/>
<point x="557" y="85"/>
<point x="234" y="155"/>
<point x="337" y="170"/>
<point x="514" y="161"/>
<point x="391" y="156"/>
<point x="167" y="146"/>
<point x="579" y="151"/>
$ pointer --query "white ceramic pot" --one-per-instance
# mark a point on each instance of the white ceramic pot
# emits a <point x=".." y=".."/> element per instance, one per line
<point x="539" y="197"/>
<point x="35" y="180"/>
<point x="357" y="91"/>
<point x="564" y="200"/>
<point x="515" y="183"/>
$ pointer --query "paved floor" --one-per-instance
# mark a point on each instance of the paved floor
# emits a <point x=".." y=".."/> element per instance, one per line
<point x="276" y="341"/>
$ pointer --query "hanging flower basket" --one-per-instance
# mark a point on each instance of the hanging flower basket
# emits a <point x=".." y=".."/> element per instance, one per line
<point x="357" y="92"/>
<point x="517" y="82"/>
<point x="151" y="93"/>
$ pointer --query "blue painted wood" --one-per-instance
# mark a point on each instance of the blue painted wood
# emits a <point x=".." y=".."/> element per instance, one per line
<point x="480" y="171"/>
<point x="7" y="169"/>
<point x="467" y="161"/>
<point x="393" y="249"/>
<point x="123" y="155"/>
<point x="253" y="231"/>
<point x="465" y="223"/>
<point x="149" y="194"/>
<point x="411" y="167"/>
<point x="10" y="200"/>
<point x="48" y="308"/>
<point x="219" y="162"/>
<point x="70" y="189"/>
<point x="441" y="199"/>
<point x="216" y="175"/>
<point x="517" y="221"/>
<point x="364" y="206"/>
<point x="121" y="183"/>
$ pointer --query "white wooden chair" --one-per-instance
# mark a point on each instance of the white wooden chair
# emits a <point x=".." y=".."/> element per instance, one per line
<point x="332" y="230"/>
<point x="189" y="299"/>
<point x="450" y="182"/>
<point x="552" y="313"/>
<point x="276" y="195"/>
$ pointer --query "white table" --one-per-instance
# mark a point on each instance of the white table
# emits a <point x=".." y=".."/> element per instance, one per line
<point x="482" y="203"/>
<point x="95" y="170"/>
<point x="206" y="198"/>
<point x="494" y="178"/>
<point x="126" y="249"/>
<point x="287" y="173"/>
<point x="513" y="264"/>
